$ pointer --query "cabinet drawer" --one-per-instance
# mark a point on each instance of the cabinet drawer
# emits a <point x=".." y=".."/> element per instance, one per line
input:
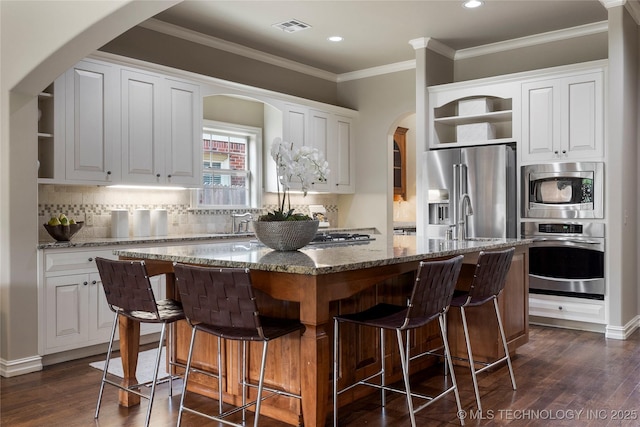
<point x="60" y="261"/>
<point x="577" y="309"/>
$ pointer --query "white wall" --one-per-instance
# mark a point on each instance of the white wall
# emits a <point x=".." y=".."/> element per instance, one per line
<point x="381" y="101"/>
<point x="38" y="41"/>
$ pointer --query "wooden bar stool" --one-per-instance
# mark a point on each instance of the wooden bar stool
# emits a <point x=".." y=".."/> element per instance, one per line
<point x="488" y="282"/>
<point x="128" y="290"/>
<point x="220" y="302"/>
<point x="430" y="298"/>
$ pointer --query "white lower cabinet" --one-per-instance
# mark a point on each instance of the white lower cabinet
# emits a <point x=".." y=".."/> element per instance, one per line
<point x="567" y="308"/>
<point x="73" y="305"/>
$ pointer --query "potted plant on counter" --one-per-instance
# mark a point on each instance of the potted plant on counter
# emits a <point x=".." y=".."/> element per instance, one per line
<point x="282" y="229"/>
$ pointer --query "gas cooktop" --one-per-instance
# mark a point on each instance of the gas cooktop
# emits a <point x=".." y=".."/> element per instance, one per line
<point x="324" y="238"/>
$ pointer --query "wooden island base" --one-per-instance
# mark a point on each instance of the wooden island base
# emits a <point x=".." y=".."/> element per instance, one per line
<point x="304" y="363"/>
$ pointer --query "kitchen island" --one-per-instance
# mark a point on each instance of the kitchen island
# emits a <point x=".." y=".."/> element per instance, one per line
<point x="316" y="283"/>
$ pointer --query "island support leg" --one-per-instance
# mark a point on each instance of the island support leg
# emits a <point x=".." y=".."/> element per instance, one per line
<point x="316" y="360"/>
<point x="129" y="347"/>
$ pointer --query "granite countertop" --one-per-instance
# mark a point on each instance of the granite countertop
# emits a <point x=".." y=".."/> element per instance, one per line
<point x="174" y="239"/>
<point x="319" y="259"/>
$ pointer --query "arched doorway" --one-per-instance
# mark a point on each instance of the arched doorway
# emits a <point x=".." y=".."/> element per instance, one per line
<point x="404" y="198"/>
<point x="69" y="31"/>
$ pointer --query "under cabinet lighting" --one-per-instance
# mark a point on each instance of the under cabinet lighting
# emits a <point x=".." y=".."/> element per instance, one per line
<point x="144" y="187"/>
<point x="472" y="4"/>
<point x="335" y="39"/>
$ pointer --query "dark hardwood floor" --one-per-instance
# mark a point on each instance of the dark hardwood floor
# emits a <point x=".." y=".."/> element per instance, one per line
<point x="564" y="378"/>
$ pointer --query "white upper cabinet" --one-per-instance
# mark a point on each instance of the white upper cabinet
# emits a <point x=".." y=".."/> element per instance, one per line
<point x="92" y="124"/>
<point x="320" y="136"/>
<point x="142" y="150"/>
<point x="160" y="118"/>
<point x="343" y="171"/>
<point x="295" y="125"/>
<point x="563" y="118"/>
<point x="183" y="144"/>
<point x="114" y="124"/>
<point x="331" y="134"/>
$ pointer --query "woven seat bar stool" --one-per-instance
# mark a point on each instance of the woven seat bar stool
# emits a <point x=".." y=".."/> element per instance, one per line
<point x="128" y="291"/>
<point x="488" y="282"/>
<point x="432" y="292"/>
<point x="221" y="302"/>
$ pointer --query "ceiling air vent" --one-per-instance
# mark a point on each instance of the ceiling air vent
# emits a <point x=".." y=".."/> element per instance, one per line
<point x="291" y="26"/>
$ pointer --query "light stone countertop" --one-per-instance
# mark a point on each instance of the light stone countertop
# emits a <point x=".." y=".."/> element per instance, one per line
<point x="173" y="239"/>
<point x="319" y="259"/>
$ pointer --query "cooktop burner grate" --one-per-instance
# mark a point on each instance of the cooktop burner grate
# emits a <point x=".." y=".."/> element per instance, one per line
<point x="321" y="238"/>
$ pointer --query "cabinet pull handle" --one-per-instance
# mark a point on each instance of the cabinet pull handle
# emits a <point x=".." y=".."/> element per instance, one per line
<point x="564" y="151"/>
<point x="169" y="176"/>
<point x="90" y="259"/>
<point x="157" y="175"/>
<point x="85" y="283"/>
<point x="108" y="172"/>
<point x="94" y="282"/>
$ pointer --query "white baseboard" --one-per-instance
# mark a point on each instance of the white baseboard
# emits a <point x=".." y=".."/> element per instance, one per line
<point x="12" y="368"/>
<point x="623" y="332"/>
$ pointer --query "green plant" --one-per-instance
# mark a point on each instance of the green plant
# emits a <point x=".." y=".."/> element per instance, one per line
<point x="300" y="165"/>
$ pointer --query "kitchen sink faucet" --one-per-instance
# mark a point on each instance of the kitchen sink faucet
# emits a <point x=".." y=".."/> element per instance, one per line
<point x="246" y="222"/>
<point x="464" y="213"/>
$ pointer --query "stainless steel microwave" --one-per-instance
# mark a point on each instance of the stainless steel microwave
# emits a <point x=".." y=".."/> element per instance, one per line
<point x="563" y="190"/>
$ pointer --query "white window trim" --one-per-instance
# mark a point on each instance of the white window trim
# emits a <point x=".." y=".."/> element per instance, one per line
<point x="255" y="163"/>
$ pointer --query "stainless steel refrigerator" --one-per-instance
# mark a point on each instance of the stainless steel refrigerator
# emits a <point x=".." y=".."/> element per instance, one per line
<point x="488" y="175"/>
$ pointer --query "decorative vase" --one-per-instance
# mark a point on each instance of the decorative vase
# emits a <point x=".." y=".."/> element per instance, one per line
<point x="285" y="235"/>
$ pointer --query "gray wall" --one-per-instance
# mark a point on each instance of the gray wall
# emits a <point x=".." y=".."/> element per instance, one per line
<point x="158" y="48"/>
<point x="563" y="52"/>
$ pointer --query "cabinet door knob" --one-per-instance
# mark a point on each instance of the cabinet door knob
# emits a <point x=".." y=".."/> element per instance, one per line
<point x="90" y="259"/>
<point x="564" y="151"/>
<point x="94" y="282"/>
<point x="560" y="308"/>
<point x="108" y="172"/>
<point x="85" y="283"/>
<point x="157" y="175"/>
<point x="555" y="152"/>
<point x="169" y="176"/>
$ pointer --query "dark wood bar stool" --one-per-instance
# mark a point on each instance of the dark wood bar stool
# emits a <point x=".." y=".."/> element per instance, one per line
<point x="432" y="293"/>
<point x="128" y="291"/>
<point x="488" y="282"/>
<point x="221" y="302"/>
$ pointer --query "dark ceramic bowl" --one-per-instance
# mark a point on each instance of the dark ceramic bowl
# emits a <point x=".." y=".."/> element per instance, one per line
<point x="63" y="233"/>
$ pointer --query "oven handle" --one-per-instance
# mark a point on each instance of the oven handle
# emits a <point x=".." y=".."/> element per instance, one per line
<point x="559" y="241"/>
<point x="578" y="242"/>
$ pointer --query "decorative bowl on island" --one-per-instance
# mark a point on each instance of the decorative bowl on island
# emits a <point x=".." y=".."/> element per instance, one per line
<point x="63" y="233"/>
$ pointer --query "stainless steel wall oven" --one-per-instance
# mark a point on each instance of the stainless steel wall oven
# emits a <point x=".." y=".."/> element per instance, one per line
<point x="566" y="258"/>
<point x="563" y="190"/>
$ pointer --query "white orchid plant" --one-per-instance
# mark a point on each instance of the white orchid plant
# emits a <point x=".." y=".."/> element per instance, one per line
<point x="301" y="166"/>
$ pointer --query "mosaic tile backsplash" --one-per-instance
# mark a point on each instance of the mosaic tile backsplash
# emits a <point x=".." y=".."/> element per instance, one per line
<point x="94" y="204"/>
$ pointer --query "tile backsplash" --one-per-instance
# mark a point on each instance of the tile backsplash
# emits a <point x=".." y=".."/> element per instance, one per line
<point x="94" y="204"/>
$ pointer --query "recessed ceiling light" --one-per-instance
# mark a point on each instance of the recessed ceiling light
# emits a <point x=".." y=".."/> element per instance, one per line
<point x="472" y="4"/>
<point x="335" y="39"/>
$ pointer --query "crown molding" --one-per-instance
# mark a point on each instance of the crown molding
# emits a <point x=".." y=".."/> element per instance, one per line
<point x="434" y="45"/>
<point x="612" y="3"/>
<point x="216" y="43"/>
<point x="376" y="71"/>
<point x="551" y="36"/>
